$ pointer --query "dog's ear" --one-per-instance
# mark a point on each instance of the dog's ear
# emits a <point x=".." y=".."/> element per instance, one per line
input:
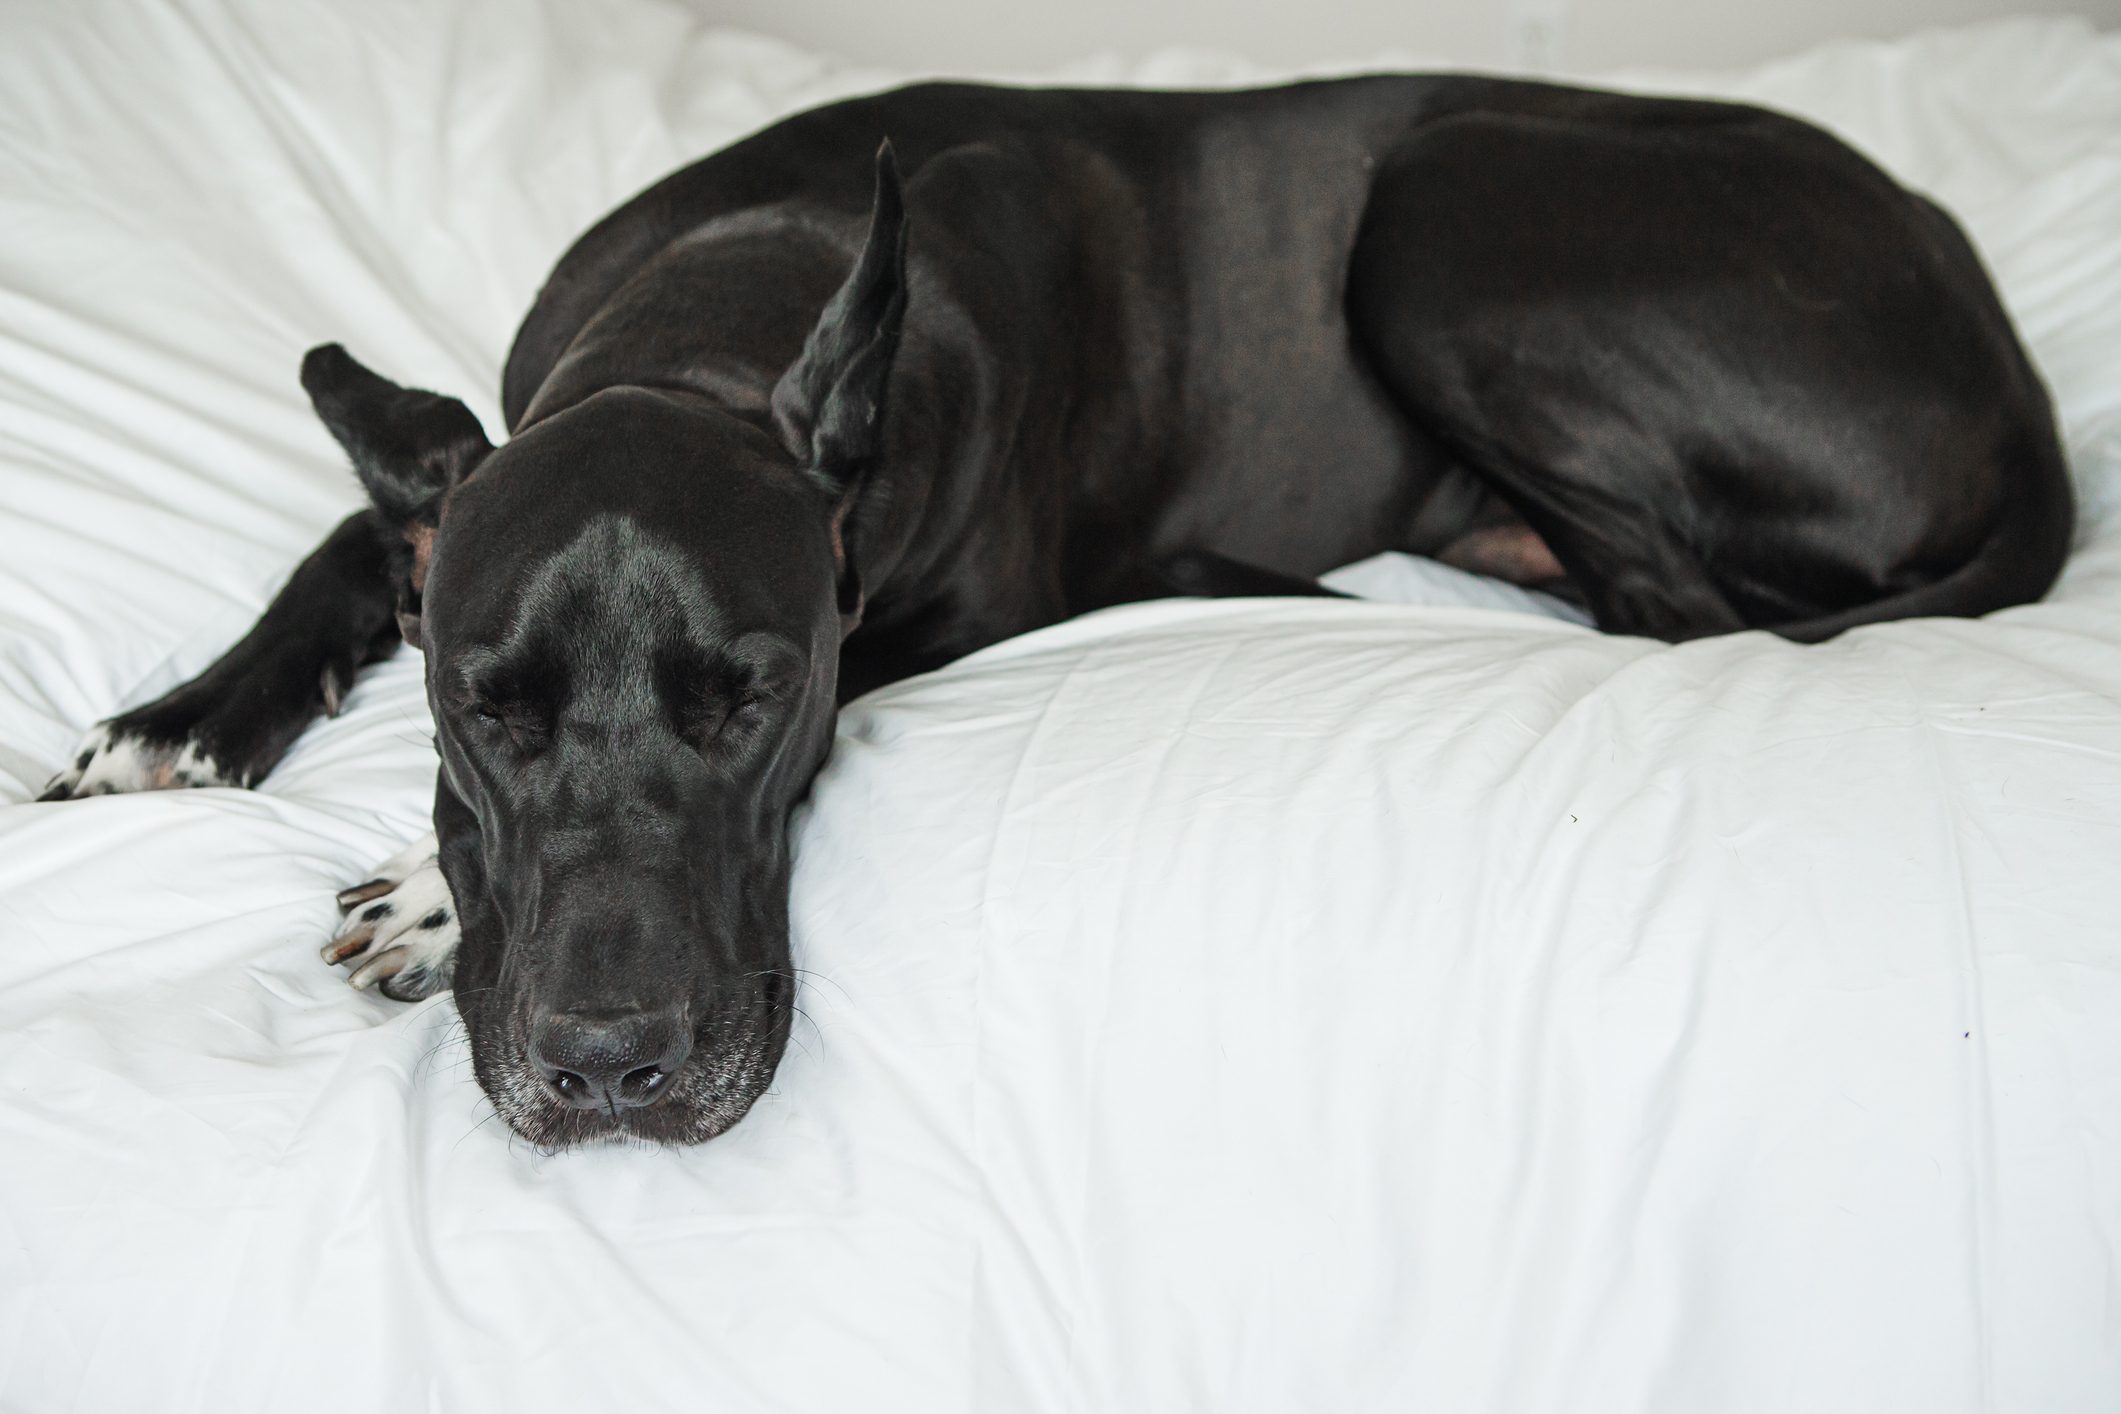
<point x="408" y="446"/>
<point x="829" y="406"/>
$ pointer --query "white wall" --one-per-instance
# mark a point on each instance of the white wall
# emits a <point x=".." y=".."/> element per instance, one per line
<point x="1549" y="35"/>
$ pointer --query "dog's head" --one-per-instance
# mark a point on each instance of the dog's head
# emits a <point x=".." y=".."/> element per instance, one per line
<point x="632" y="614"/>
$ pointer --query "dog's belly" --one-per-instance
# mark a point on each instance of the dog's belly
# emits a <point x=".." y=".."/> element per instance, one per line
<point x="1300" y="484"/>
<point x="1289" y="452"/>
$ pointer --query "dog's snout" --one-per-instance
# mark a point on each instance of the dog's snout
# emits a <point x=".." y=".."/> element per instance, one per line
<point x="609" y="1061"/>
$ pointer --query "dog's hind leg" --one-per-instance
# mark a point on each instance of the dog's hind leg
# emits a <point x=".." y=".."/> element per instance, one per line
<point x="231" y="724"/>
<point x="1543" y="384"/>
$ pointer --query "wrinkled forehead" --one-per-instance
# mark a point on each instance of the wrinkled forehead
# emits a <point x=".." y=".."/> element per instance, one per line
<point x="609" y="582"/>
<point x="628" y="525"/>
<point x="619" y="618"/>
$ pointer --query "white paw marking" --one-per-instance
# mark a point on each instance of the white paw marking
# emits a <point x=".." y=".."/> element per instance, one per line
<point x="112" y="764"/>
<point x="401" y="927"/>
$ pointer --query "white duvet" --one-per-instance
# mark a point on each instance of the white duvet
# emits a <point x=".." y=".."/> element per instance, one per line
<point x="1222" y="1007"/>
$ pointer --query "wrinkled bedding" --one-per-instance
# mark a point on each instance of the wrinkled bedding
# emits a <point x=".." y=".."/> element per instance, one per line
<point x="1270" y="1006"/>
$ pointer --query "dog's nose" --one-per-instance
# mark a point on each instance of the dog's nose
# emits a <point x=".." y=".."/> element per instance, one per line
<point x="609" y="1061"/>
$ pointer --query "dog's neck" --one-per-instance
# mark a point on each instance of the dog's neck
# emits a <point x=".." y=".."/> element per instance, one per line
<point x="752" y="290"/>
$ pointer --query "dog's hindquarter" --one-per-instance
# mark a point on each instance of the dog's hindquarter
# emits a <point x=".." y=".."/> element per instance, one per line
<point x="1733" y="373"/>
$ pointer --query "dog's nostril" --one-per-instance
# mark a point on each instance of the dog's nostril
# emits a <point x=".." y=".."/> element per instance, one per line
<point x="640" y="1086"/>
<point x="568" y="1083"/>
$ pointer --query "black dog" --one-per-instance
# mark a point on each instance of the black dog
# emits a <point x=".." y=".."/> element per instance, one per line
<point x="1701" y="364"/>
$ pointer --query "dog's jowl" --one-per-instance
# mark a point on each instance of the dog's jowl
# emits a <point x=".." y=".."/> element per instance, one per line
<point x="906" y="375"/>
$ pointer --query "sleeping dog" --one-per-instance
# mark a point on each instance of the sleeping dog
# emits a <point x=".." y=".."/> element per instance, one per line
<point x="790" y="425"/>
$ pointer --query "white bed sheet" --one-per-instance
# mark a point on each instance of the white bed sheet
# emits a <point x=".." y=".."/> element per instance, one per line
<point x="1220" y="1007"/>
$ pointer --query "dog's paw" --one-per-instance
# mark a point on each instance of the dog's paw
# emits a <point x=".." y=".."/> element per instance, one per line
<point x="118" y="756"/>
<point x="401" y="927"/>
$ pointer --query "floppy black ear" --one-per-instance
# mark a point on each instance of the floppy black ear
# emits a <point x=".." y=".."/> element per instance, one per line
<point x="408" y="446"/>
<point x="830" y="404"/>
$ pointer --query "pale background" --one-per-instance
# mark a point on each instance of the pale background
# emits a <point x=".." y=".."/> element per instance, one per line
<point x="1232" y="1007"/>
<point x="1558" y="36"/>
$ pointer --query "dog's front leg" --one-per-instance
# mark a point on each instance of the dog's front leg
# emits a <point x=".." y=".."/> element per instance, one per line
<point x="232" y="723"/>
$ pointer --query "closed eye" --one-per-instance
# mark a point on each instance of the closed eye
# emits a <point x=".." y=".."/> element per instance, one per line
<point x="522" y="725"/>
<point x="723" y="713"/>
<point x="716" y="702"/>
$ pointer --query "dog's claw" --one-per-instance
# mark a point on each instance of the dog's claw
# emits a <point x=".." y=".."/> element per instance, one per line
<point x="334" y="683"/>
<point x="404" y="974"/>
<point x="385" y="964"/>
<point x="346" y="945"/>
<point x="350" y="899"/>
